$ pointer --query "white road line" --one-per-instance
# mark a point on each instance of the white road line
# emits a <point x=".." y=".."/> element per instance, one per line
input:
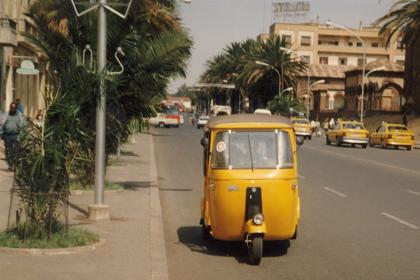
<point x="301" y="177"/>
<point x="413" y="192"/>
<point x="335" y="192"/>
<point x="417" y="173"/>
<point x="399" y="220"/>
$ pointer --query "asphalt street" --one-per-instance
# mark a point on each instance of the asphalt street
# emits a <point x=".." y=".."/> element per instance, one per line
<point x="359" y="215"/>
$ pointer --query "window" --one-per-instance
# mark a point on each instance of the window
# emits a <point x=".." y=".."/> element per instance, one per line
<point x="375" y="45"/>
<point x="400" y="45"/>
<point x="359" y="44"/>
<point x="305" y="58"/>
<point x="342" y="61"/>
<point x="400" y="62"/>
<point x="305" y="41"/>
<point x="360" y="62"/>
<point x="323" y="60"/>
<point x="331" y="103"/>
<point x="350" y="44"/>
<point x="252" y="149"/>
<point x="287" y="39"/>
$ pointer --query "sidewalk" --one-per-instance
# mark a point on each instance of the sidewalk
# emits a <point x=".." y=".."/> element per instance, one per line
<point x="134" y="242"/>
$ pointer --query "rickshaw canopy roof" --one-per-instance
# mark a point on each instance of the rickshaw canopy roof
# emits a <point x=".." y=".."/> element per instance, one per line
<point x="256" y="120"/>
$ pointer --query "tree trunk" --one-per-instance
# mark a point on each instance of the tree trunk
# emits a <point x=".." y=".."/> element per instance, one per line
<point x="412" y="76"/>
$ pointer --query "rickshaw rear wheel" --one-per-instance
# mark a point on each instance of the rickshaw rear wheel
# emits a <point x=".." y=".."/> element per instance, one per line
<point x="255" y="250"/>
<point x="205" y="232"/>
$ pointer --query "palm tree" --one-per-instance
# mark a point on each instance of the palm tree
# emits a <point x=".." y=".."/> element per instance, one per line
<point x="403" y="22"/>
<point x="239" y="58"/>
<point x="157" y="50"/>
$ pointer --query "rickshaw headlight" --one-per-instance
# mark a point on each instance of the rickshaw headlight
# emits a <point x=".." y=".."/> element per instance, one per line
<point x="258" y="219"/>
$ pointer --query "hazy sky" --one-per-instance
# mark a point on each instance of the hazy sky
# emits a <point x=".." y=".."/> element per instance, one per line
<point x="215" y="23"/>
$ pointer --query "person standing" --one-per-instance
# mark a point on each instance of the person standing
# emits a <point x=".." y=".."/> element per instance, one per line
<point x="19" y="105"/>
<point x="11" y="124"/>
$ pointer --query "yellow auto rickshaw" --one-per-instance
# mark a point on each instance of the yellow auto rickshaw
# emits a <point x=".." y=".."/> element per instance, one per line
<point x="250" y="180"/>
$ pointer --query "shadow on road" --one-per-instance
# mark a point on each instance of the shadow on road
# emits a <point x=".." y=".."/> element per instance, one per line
<point x="134" y="185"/>
<point x="191" y="236"/>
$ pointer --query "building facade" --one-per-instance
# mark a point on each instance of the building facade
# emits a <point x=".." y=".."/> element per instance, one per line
<point x="330" y="53"/>
<point x="383" y="89"/>
<point x="15" y="48"/>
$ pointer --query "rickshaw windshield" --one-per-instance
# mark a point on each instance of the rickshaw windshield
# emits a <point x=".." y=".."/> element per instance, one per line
<point x="252" y="149"/>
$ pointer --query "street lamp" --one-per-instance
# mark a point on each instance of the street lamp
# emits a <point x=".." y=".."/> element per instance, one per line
<point x="287" y="89"/>
<point x="377" y="69"/>
<point x="99" y="210"/>
<point x="273" y="68"/>
<point x="309" y="90"/>
<point x="364" y="61"/>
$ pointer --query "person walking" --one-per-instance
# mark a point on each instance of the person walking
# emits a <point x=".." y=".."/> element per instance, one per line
<point x="11" y="124"/>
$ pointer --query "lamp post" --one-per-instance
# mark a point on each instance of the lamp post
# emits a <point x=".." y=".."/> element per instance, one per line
<point x="364" y="62"/>
<point x="309" y="90"/>
<point x="99" y="210"/>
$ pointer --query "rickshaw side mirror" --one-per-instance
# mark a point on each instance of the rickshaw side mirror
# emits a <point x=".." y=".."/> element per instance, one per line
<point x="299" y="140"/>
<point x="204" y="142"/>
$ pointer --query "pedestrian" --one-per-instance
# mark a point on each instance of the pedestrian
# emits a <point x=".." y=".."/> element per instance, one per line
<point x="11" y="124"/>
<point x="404" y="119"/>
<point x="39" y="119"/>
<point x="19" y="105"/>
<point x="318" y="127"/>
<point x="332" y="123"/>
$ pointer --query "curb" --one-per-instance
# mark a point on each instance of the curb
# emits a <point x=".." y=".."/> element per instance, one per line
<point x="159" y="263"/>
<point x="53" y="252"/>
<point x="82" y="192"/>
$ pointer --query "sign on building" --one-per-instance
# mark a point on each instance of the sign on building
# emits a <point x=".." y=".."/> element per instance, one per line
<point x="290" y="10"/>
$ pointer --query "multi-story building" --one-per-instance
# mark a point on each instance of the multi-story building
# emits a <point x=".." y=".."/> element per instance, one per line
<point x="15" y="48"/>
<point x="330" y="52"/>
<point x="321" y="44"/>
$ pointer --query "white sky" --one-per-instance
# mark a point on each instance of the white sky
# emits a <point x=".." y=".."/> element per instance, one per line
<point x="215" y="23"/>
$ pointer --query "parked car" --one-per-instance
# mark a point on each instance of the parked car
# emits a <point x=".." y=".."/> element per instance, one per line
<point x="395" y="135"/>
<point x="348" y="132"/>
<point x="302" y="127"/>
<point x="202" y="121"/>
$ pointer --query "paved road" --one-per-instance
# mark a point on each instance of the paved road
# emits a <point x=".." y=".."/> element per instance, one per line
<point x="360" y="215"/>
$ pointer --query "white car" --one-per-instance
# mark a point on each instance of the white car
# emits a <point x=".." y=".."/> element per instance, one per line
<point x="202" y="121"/>
<point x="262" y="112"/>
<point x="161" y="120"/>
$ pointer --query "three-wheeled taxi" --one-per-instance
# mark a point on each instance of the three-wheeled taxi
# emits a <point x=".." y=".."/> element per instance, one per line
<point x="250" y="180"/>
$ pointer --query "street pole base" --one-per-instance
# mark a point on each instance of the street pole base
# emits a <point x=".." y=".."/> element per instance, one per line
<point x="98" y="212"/>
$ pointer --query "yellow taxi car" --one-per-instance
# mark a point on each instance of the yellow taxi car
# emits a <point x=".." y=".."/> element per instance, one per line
<point x="394" y="135"/>
<point x="302" y="127"/>
<point x="348" y="132"/>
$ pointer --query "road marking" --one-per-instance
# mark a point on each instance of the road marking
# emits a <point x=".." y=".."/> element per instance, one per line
<point x="399" y="220"/>
<point x="413" y="192"/>
<point x="367" y="161"/>
<point x="335" y="192"/>
<point x="301" y="177"/>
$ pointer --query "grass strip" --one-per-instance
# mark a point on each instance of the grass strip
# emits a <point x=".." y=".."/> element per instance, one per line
<point x="75" y="237"/>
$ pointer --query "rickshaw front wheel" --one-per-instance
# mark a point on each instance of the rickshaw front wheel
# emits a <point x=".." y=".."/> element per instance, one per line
<point x="255" y="250"/>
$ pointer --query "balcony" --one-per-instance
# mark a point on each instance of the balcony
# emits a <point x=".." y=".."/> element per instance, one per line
<point x="352" y="50"/>
<point x="8" y="32"/>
